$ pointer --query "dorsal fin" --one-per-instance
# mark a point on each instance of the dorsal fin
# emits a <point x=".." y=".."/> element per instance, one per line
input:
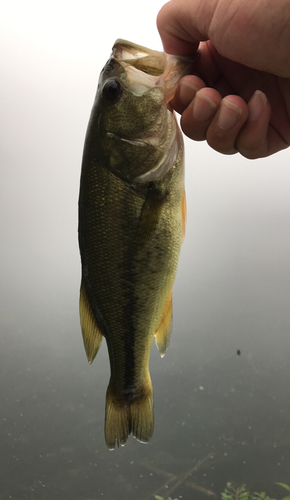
<point x="91" y="332"/>
<point x="162" y="334"/>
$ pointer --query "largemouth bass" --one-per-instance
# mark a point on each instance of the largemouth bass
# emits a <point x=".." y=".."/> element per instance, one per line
<point x="131" y="226"/>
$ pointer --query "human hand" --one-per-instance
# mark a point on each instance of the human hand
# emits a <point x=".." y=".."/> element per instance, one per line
<point x="240" y="100"/>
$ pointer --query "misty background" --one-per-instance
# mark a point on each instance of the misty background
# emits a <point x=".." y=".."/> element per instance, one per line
<point x="232" y="289"/>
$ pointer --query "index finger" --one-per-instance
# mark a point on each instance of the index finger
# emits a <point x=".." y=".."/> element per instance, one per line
<point x="181" y="27"/>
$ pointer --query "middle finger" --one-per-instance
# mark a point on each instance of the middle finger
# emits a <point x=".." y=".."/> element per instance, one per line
<point x="197" y="117"/>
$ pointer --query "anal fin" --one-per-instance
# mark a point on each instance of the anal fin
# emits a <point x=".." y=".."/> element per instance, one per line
<point x="92" y="336"/>
<point x="162" y="334"/>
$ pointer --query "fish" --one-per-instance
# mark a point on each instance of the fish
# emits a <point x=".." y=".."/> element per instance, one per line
<point x="132" y="213"/>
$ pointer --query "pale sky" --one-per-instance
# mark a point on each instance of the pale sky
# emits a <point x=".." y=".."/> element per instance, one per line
<point x="51" y="55"/>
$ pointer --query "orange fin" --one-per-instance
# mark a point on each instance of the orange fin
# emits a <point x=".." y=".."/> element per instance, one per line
<point x="183" y="211"/>
<point x="162" y="334"/>
<point x="125" y="418"/>
<point x="91" y="333"/>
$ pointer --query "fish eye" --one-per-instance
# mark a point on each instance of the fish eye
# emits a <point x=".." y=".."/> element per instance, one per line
<point x="112" y="90"/>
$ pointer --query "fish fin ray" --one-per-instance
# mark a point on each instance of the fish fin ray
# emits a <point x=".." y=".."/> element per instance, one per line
<point x="92" y="336"/>
<point x="125" y="418"/>
<point x="162" y="334"/>
<point x="142" y="418"/>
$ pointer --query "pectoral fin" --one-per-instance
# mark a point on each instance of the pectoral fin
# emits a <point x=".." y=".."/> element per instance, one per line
<point x="162" y="334"/>
<point x="150" y="214"/>
<point x="91" y="333"/>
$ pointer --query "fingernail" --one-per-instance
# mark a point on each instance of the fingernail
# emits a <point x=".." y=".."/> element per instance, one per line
<point x="256" y="105"/>
<point x="203" y="107"/>
<point x="229" y="114"/>
<point x="185" y="94"/>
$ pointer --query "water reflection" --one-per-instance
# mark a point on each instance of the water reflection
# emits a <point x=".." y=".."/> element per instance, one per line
<point x="219" y="416"/>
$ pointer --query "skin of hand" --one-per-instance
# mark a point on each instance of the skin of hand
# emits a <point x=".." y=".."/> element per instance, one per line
<point x="238" y="97"/>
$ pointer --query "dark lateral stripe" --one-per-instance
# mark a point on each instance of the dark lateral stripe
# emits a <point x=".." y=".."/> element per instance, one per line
<point x="145" y="229"/>
<point x="129" y="337"/>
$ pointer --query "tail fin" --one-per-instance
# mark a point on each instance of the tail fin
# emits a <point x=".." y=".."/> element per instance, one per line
<point x="125" y="418"/>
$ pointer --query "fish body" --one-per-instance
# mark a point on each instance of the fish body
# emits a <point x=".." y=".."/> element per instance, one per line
<point x="131" y="226"/>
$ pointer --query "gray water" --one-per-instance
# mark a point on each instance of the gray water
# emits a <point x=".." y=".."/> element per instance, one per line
<point x="221" y="393"/>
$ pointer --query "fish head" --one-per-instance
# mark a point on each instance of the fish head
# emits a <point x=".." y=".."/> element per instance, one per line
<point x="133" y="131"/>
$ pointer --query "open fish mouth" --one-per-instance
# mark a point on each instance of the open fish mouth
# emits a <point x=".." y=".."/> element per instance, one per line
<point x="146" y="68"/>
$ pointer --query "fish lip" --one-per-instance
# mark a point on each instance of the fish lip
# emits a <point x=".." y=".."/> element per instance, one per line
<point x="125" y="51"/>
<point x="146" y="68"/>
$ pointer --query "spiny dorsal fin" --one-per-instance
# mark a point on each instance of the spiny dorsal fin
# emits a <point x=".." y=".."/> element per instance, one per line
<point x="91" y="333"/>
<point x="162" y="334"/>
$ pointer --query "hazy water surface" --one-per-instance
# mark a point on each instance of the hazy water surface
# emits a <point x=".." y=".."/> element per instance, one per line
<point x="221" y="393"/>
